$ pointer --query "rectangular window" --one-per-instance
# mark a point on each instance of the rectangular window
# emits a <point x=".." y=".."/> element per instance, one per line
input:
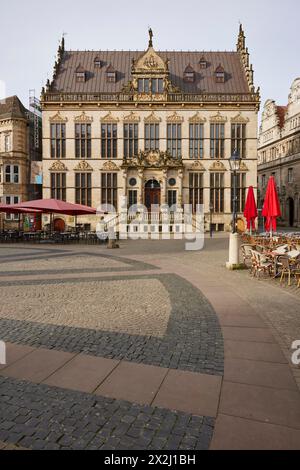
<point x="151" y="137"/>
<point x="109" y="141"/>
<point x="143" y="85"/>
<point x="83" y="188"/>
<point x="12" y="174"/>
<point x="240" y="191"/>
<point x="132" y="197"/>
<point x="196" y="141"/>
<point x="83" y="141"/>
<point x="131" y="140"/>
<point x="263" y="181"/>
<point x="157" y="85"/>
<point x="238" y="139"/>
<point x="195" y="190"/>
<point x="109" y="189"/>
<point x="58" y="186"/>
<point x="7" y="143"/>
<point x="217" y="192"/>
<point x="174" y="140"/>
<point x="12" y="200"/>
<point x="172" y="197"/>
<point x="217" y="141"/>
<point x="58" y="140"/>
<point x="290" y="175"/>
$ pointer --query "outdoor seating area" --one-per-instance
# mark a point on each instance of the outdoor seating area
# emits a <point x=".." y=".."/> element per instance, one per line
<point x="276" y="257"/>
<point x="15" y="236"/>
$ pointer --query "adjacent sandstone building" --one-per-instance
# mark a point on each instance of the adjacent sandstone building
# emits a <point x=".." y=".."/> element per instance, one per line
<point x="156" y="126"/>
<point x="20" y="151"/>
<point x="279" y="154"/>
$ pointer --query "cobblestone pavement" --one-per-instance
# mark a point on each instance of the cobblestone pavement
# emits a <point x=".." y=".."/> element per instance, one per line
<point x="259" y="406"/>
<point x="42" y="417"/>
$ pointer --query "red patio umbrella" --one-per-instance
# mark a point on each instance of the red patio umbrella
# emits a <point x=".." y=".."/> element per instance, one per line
<point x="55" y="206"/>
<point x="250" y="211"/>
<point x="11" y="209"/>
<point x="271" y="209"/>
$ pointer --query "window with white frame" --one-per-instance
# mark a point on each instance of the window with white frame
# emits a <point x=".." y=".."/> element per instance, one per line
<point x="12" y="174"/>
<point x="7" y="143"/>
<point x="12" y="200"/>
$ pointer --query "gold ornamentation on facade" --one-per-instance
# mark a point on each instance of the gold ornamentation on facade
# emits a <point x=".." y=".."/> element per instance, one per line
<point x="109" y="118"/>
<point x="150" y="61"/>
<point x="175" y="118"/>
<point x="110" y="166"/>
<point x="218" y="118"/>
<point x="58" y="165"/>
<point x="83" y="165"/>
<point x="217" y="166"/>
<point x="58" y="118"/>
<point x="243" y="167"/>
<point x="197" y="165"/>
<point x="83" y="118"/>
<point x="152" y="119"/>
<point x="197" y="119"/>
<point x="152" y="159"/>
<point x="132" y="117"/>
<point x="239" y="119"/>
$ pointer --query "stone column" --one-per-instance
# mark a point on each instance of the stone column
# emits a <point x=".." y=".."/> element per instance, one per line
<point x="180" y="187"/>
<point x="140" y="187"/>
<point x="164" y="187"/>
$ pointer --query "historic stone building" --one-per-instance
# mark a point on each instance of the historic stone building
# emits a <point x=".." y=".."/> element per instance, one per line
<point x="20" y="148"/>
<point x="157" y="127"/>
<point x="279" y="154"/>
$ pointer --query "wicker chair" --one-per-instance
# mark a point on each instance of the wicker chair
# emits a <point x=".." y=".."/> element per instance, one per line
<point x="260" y="264"/>
<point x="289" y="268"/>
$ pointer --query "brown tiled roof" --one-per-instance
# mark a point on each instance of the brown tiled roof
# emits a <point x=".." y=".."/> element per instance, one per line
<point x="12" y="107"/>
<point x="204" y="79"/>
<point x="281" y="112"/>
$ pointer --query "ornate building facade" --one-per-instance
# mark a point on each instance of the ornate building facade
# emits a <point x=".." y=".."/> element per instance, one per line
<point x="20" y="148"/>
<point x="156" y="127"/>
<point x="279" y="154"/>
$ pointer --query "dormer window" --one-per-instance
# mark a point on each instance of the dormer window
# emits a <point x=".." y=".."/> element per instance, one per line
<point x="153" y="85"/>
<point x="80" y="74"/>
<point x="111" y="74"/>
<point x="203" y="63"/>
<point x="220" y="74"/>
<point x="97" y="63"/>
<point x="189" y="74"/>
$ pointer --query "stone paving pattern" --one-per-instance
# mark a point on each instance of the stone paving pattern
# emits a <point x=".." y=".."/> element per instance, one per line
<point x="43" y="417"/>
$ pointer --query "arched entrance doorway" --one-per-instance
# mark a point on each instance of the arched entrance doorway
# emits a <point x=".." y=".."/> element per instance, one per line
<point x="291" y="211"/>
<point x="59" y="225"/>
<point x="152" y="193"/>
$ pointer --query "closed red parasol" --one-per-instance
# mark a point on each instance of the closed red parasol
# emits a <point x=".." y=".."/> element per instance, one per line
<point x="271" y="209"/>
<point x="250" y="211"/>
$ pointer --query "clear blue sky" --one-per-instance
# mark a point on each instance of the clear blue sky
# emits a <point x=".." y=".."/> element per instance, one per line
<point x="30" y="32"/>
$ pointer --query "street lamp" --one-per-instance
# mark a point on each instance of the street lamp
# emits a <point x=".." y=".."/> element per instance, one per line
<point x="211" y="209"/>
<point x="235" y="165"/>
<point x="234" y="242"/>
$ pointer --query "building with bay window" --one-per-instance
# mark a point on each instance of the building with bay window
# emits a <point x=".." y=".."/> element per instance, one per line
<point x="279" y="154"/>
<point x="156" y="126"/>
<point x="20" y="156"/>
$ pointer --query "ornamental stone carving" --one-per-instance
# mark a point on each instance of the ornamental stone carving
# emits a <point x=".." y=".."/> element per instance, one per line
<point x="152" y="159"/>
<point x="109" y="118"/>
<point x="83" y="118"/>
<point x="197" y="165"/>
<point x="217" y="166"/>
<point x="58" y="165"/>
<point x="58" y="118"/>
<point x="197" y="119"/>
<point x="132" y="117"/>
<point x="243" y="167"/>
<point x="83" y="165"/>
<point x="110" y="166"/>
<point x="218" y="118"/>
<point x="239" y="119"/>
<point x="152" y="119"/>
<point x="150" y="61"/>
<point x="175" y="118"/>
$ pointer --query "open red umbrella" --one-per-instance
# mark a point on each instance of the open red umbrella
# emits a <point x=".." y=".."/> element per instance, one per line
<point x="271" y="209"/>
<point x="250" y="211"/>
<point x="11" y="209"/>
<point x="55" y="206"/>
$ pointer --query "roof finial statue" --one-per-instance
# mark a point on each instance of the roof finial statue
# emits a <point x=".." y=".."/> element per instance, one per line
<point x="150" y="37"/>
